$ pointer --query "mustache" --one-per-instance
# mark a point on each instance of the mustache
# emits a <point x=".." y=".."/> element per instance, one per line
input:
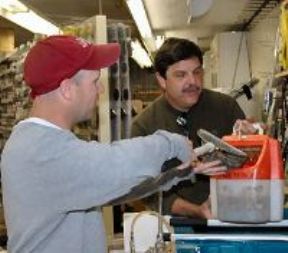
<point x="191" y="88"/>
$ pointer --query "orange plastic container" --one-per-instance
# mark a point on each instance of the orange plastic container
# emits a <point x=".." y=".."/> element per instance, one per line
<point x="253" y="193"/>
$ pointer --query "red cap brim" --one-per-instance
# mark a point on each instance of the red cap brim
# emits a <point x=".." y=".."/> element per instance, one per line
<point x="102" y="56"/>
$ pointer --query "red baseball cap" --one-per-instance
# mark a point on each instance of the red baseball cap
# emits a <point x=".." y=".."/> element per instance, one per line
<point x="56" y="58"/>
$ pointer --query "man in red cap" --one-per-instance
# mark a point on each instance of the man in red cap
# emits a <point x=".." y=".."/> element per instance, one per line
<point x="55" y="184"/>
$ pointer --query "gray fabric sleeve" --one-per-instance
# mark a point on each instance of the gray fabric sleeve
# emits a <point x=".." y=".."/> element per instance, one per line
<point x="80" y="175"/>
<point x="180" y="151"/>
<point x="169" y="197"/>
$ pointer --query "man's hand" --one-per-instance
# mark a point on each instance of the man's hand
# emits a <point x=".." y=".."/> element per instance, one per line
<point x="209" y="168"/>
<point x="247" y="126"/>
<point x="205" y="168"/>
<point x="183" y="207"/>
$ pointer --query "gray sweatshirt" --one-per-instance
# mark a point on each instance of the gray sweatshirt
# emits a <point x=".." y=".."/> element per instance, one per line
<point x="52" y="181"/>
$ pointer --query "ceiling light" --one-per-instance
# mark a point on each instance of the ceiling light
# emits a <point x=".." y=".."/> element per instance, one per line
<point x="198" y="8"/>
<point x="19" y="14"/>
<point x="140" y="55"/>
<point x="13" y="6"/>
<point x="138" y="12"/>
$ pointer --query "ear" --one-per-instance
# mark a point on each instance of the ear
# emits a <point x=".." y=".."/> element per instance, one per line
<point x="66" y="89"/>
<point x="161" y="81"/>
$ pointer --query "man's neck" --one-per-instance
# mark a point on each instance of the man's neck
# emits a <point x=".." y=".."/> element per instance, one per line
<point x="51" y="115"/>
<point x="174" y="105"/>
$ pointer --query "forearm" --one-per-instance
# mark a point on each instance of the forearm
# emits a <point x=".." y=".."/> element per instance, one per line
<point x="183" y="207"/>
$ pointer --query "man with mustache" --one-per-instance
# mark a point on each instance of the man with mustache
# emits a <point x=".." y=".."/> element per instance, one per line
<point x="184" y="107"/>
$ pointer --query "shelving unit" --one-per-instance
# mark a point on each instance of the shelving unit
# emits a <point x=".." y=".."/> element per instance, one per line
<point x="14" y="95"/>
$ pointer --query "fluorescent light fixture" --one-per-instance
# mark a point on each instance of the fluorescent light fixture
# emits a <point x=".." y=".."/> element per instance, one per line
<point x="138" y="12"/>
<point x="13" y="6"/>
<point x="18" y="13"/>
<point x="140" y="55"/>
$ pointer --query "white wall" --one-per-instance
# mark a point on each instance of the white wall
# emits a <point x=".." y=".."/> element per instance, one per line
<point x="261" y="40"/>
<point x="260" y="44"/>
<point x="229" y="67"/>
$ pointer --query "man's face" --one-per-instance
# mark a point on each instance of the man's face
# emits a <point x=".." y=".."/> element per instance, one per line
<point x="89" y="89"/>
<point x="183" y="84"/>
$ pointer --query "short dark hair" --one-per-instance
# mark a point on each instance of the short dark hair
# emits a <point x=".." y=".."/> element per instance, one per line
<point x="174" y="50"/>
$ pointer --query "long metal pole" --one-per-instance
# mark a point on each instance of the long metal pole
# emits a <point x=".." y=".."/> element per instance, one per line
<point x="100" y="7"/>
